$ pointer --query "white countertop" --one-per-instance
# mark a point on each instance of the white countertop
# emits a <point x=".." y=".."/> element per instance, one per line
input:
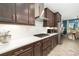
<point x="15" y="43"/>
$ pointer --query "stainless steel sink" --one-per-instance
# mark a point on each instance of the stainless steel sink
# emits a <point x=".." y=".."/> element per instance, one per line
<point x="41" y="35"/>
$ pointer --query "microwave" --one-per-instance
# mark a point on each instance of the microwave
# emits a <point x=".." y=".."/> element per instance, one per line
<point x="51" y="31"/>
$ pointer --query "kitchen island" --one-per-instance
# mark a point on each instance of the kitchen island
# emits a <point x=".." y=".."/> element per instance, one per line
<point x="29" y="45"/>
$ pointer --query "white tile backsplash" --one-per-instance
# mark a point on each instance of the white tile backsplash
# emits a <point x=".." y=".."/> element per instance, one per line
<point x="23" y="30"/>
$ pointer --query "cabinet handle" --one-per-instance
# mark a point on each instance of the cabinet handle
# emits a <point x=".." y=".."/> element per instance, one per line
<point x="38" y="43"/>
<point x="18" y="52"/>
<point x="27" y="49"/>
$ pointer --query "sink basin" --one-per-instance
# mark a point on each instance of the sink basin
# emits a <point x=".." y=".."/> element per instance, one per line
<point x="41" y="35"/>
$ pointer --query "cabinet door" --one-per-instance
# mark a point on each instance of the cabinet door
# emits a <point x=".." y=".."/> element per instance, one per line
<point x="47" y="45"/>
<point x="37" y="49"/>
<point x="53" y="19"/>
<point x="45" y="15"/>
<point x="7" y="12"/>
<point x="57" y="19"/>
<point x="46" y="51"/>
<point x="31" y="13"/>
<point x="22" y="13"/>
<point x="58" y="16"/>
<point x="55" y="40"/>
<point x="49" y="16"/>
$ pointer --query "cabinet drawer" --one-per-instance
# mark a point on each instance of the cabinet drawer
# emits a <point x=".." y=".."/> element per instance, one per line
<point x="24" y="49"/>
<point x="10" y="53"/>
<point x="19" y="51"/>
<point x="24" y="52"/>
<point x="27" y="52"/>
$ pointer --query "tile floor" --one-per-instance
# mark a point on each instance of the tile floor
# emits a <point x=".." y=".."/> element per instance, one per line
<point x="67" y="48"/>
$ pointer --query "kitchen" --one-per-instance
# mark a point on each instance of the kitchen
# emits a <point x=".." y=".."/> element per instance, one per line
<point x="30" y="29"/>
<point x="21" y="34"/>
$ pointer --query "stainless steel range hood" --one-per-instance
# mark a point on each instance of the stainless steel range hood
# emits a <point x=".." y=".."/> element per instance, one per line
<point x="41" y="17"/>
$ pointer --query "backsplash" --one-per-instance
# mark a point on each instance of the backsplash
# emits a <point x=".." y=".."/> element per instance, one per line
<point x="23" y="30"/>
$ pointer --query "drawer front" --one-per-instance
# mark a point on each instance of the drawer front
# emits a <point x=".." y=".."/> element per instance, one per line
<point x="18" y="51"/>
<point x="10" y="53"/>
<point x="21" y="50"/>
<point x="27" y="52"/>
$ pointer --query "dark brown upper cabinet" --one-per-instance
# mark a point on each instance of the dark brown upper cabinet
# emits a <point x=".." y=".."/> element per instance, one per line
<point x="57" y="18"/>
<point x="53" y="19"/>
<point x="18" y="13"/>
<point x="22" y="13"/>
<point x="7" y="12"/>
<point x="25" y="13"/>
<point x="50" y="18"/>
<point x="31" y="13"/>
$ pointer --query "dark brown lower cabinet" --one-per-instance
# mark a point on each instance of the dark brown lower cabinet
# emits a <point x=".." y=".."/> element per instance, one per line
<point x="27" y="52"/>
<point x="46" y="51"/>
<point x="47" y="46"/>
<point x="39" y="48"/>
<point x="22" y="51"/>
<point x="54" y="41"/>
<point x="52" y="38"/>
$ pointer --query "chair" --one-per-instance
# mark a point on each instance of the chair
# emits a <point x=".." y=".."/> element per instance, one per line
<point x="72" y="34"/>
<point x="77" y="34"/>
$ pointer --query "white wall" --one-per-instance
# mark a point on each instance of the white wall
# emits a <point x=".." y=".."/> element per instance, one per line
<point x="38" y="8"/>
<point x="68" y="11"/>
